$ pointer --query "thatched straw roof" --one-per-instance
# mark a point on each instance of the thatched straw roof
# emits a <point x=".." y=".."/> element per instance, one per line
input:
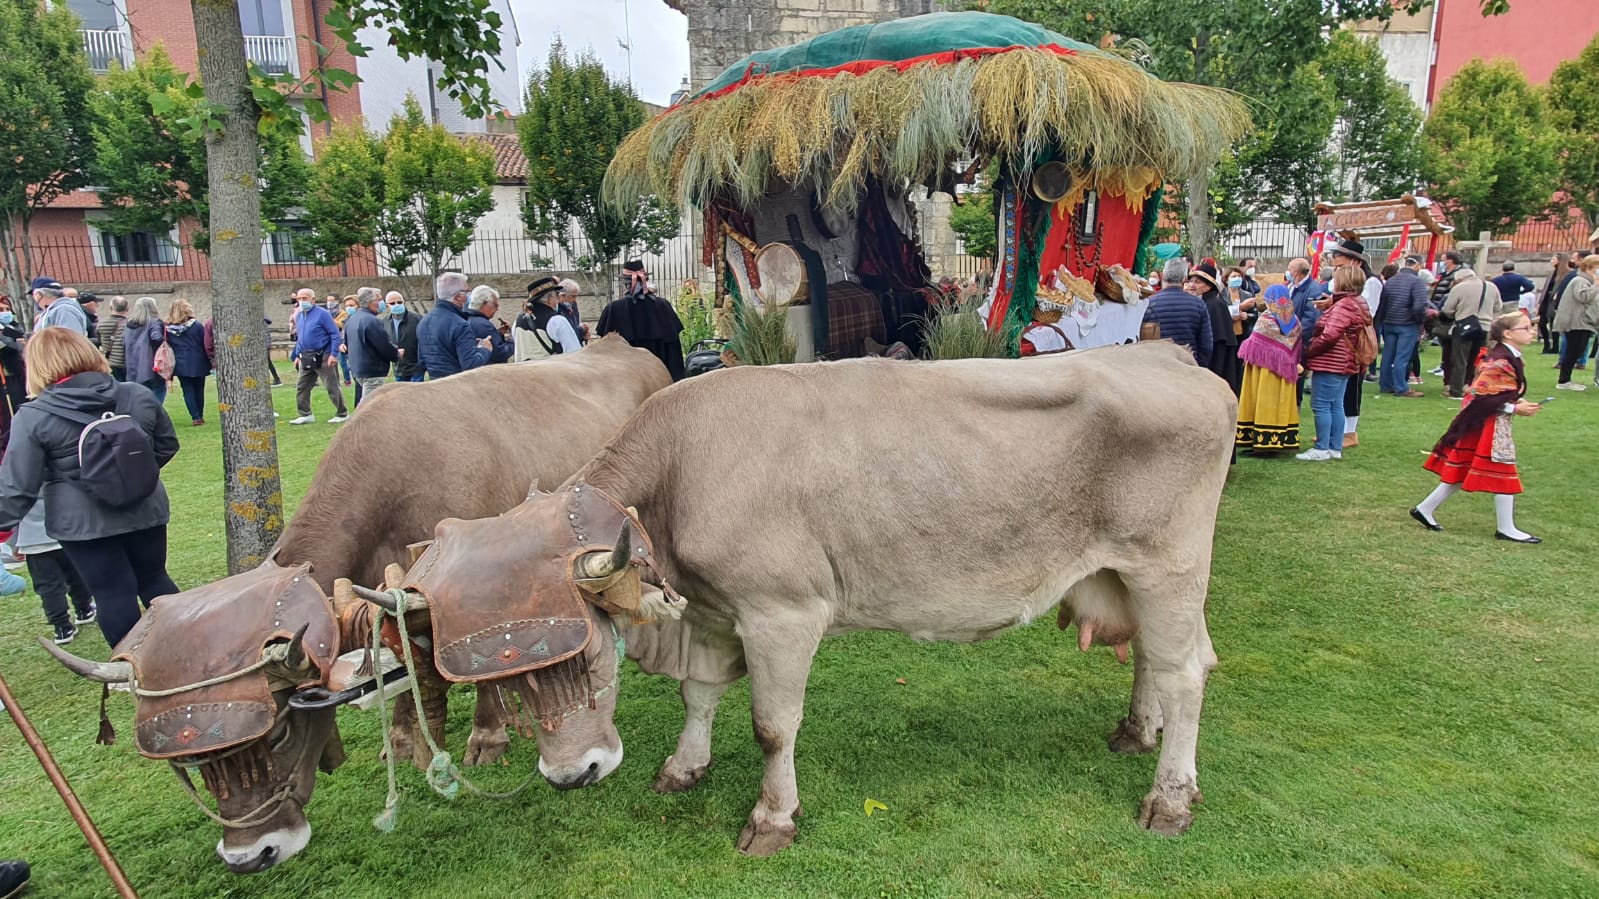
<point x="904" y="99"/>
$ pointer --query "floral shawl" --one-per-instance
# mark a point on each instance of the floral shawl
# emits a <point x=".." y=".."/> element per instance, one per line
<point x="1274" y="344"/>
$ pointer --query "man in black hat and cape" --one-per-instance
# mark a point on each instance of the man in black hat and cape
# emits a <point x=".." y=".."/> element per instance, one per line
<point x="645" y="320"/>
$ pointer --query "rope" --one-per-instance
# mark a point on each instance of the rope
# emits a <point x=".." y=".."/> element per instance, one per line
<point x="209" y="682"/>
<point x="260" y="814"/>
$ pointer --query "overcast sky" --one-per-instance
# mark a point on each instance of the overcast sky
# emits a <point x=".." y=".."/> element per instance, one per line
<point x="659" y="39"/>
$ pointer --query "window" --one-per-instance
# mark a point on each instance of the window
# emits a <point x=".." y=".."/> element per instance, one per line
<point x="138" y="248"/>
<point x="260" y="17"/>
<point x="280" y="244"/>
<point x="97" y="15"/>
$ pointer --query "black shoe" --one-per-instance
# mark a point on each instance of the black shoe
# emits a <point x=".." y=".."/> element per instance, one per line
<point x="1527" y="539"/>
<point x="65" y="633"/>
<point x="13" y="878"/>
<point x="1429" y="525"/>
<point x="88" y="616"/>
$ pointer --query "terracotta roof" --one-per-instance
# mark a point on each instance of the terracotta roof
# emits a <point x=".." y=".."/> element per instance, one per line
<point x="510" y="165"/>
<point x="78" y="199"/>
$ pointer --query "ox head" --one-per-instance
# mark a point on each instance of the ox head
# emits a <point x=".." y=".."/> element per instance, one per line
<point x="525" y="601"/>
<point x="213" y="671"/>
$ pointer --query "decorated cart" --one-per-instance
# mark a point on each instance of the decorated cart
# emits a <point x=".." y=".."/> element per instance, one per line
<point x="1413" y="222"/>
<point x="805" y="162"/>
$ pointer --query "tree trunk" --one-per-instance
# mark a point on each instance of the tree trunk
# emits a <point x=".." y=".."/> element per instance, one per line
<point x="1201" y="220"/>
<point x="252" y="494"/>
<point x="17" y="271"/>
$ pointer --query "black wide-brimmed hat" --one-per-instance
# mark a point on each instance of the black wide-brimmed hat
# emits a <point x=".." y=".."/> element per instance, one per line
<point x="541" y="286"/>
<point x="1354" y="249"/>
<point x="1206" y="272"/>
<point x="633" y="265"/>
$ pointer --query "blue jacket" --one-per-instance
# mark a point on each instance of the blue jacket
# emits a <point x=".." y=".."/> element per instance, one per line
<point x="189" y="357"/>
<point x="445" y="342"/>
<point x="1304" y="308"/>
<point x="481" y="328"/>
<point x="1183" y="319"/>
<point x="1512" y="285"/>
<point x="139" y="349"/>
<point x="315" y="332"/>
<point x="1404" y="300"/>
<point x="368" y="343"/>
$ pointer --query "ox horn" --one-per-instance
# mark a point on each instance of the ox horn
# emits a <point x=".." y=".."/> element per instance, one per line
<point x="294" y="651"/>
<point x="413" y="601"/>
<point x="603" y="565"/>
<point x="533" y="490"/>
<point x="101" y="672"/>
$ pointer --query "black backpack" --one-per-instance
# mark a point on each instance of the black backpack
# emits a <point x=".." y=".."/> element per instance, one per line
<point x="116" y="460"/>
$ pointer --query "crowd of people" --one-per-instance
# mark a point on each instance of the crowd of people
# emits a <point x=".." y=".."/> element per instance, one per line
<point x="1361" y="326"/>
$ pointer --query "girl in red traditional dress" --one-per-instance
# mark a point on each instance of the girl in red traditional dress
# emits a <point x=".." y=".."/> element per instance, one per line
<point x="1477" y="453"/>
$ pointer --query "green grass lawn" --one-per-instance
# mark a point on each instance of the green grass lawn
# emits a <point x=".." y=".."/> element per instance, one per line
<point x="1396" y="712"/>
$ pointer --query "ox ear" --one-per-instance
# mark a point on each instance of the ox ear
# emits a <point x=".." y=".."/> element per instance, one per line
<point x="533" y="490"/>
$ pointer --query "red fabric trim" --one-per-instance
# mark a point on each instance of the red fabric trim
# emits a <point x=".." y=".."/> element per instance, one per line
<point x="862" y="66"/>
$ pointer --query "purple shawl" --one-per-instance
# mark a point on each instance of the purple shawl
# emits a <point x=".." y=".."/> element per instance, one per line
<point x="1269" y="348"/>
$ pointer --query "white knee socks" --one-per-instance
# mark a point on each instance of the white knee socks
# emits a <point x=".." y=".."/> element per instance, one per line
<point x="1429" y="506"/>
<point x="1351" y="422"/>
<point x="1505" y="513"/>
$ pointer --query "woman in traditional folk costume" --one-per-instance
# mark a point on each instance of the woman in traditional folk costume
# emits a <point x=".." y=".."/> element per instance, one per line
<point x="1477" y="453"/>
<point x="1268" y="409"/>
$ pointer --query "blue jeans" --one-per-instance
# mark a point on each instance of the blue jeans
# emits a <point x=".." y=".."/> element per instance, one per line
<point x="416" y="377"/>
<point x="1327" y="404"/>
<point x="1398" y="345"/>
<point x="158" y="386"/>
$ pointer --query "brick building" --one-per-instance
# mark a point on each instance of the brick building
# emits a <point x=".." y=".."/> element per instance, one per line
<point x="278" y="37"/>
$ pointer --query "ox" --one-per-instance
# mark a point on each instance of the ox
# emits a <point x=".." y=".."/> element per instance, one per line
<point x="861" y="495"/>
<point x="471" y="445"/>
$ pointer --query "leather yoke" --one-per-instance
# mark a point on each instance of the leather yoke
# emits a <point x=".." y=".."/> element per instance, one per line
<point x="212" y="632"/>
<point x="500" y="590"/>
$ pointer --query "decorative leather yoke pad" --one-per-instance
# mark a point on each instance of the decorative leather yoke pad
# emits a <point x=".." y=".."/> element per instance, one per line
<point x="212" y="632"/>
<point x="500" y="590"/>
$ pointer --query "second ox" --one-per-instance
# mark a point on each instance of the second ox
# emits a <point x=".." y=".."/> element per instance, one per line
<point x="861" y="495"/>
<point x="213" y="668"/>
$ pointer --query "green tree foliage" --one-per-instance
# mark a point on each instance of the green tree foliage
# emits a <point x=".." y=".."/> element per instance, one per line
<point x="1376" y="148"/>
<point x="44" y="124"/>
<point x="1573" y="98"/>
<point x="575" y="118"/>
<point x="418" y="191"/>
<point x="1487" y="149"/>
<point x="150" y="161"/>
<point x="973" y="220"/>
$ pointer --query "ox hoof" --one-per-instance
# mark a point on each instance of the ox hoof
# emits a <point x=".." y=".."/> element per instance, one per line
<point x="1166" y="814"/>
<point x="673" y="779"/>
<point x="1126" y="739"/>
<point x="486" y="746"/>
<point x="399" y="742"/>
<point x="763" y="838"/>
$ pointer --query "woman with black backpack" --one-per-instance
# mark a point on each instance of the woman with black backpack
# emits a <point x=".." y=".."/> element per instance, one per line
<point x="93" y="448"/>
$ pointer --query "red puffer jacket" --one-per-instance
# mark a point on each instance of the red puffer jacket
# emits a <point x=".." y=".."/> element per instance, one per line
<point x="1331" y="346"/>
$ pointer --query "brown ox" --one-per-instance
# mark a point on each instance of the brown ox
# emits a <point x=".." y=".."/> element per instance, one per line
<point x="472" y="444"/>
<point x="884" y="496"/>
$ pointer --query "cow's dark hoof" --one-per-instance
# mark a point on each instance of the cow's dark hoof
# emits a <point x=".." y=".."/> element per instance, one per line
<point x="1126" y="739"/>
<point x="1165" y="814"/>
<point x="763" y="839"/>
<point x="486" y="746"/>
<point x="673" y="779"/>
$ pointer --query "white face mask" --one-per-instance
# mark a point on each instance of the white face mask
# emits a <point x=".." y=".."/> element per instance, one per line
<point x="1249" y="272"/>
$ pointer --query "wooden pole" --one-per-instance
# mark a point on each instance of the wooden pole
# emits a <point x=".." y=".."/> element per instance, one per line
<point x="101" y="851"/>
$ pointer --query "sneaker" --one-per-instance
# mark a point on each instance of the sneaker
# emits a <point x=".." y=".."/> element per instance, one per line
<point x="1571" y="385"/>
<point x="276" y="415"/>
<point x="13" y="876"/>
<point x="303" y="420"/>
<point x="12" y="585"/>
<point x="1417" y="380"/>
<point x="1314" y="455"/>
<point x="1437" y="372"/>
<point x="87" y="617"/>
<point x="338" y="419"/>
<point x="1334" y="454"/>
<point x="65" y="633"/>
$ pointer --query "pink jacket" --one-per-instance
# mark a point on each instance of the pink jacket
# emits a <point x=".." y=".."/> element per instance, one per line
<point x="1331" y="346"/>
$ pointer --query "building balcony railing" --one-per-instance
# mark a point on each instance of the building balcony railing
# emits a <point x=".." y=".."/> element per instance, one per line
<point x="275" y="55"/>
<point x="106" y="47"/>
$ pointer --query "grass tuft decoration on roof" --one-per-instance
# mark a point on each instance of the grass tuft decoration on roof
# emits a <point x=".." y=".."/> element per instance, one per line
<point x="903" y="100"/>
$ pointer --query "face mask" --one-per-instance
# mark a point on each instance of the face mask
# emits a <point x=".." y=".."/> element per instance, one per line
<point x="1250" y="271"/>
<point x="348" y="309"/>
<point x="1235" y="282"/>
<point x="305" y="305"/>
<point x="397" y="309"/>
<point x="333" y="307"/>
<point x="7" y="318"/>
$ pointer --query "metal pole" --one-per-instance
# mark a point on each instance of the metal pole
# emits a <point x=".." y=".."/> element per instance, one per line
<point x="101" y="851"/>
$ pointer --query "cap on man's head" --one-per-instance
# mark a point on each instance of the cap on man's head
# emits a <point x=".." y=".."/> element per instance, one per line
<point x="1412" y="261"/>
<point x="633" y="265"/>
<point x="44" y="283"/>
<point x="1508" y="266"/>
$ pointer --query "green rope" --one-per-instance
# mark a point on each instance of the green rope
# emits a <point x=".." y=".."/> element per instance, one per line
<point x="442" y="774"/>
<point x="1146" y="228"/>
